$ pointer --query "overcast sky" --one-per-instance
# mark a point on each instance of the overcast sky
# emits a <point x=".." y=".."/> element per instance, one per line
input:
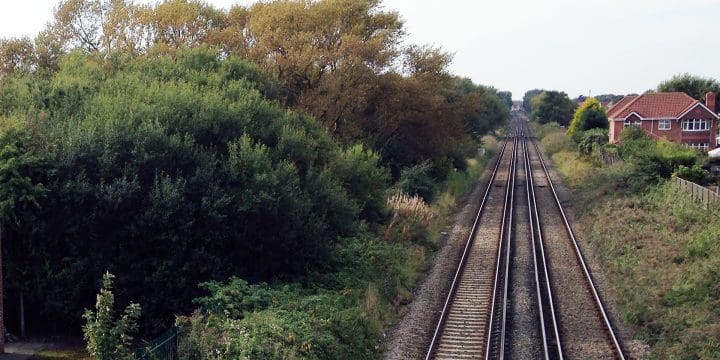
<point x="580" y="47"/>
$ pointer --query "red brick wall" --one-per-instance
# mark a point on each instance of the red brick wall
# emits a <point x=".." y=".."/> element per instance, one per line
<point x="689" y="137"/>
<point x="616" y="129"/>
<point x="675" y="134"/>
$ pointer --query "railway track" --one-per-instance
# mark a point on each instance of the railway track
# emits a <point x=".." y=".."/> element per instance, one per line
<point x="522" y="288"/>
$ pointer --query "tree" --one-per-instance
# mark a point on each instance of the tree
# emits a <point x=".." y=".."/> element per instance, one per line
<point x="695" y="86"/>
<point x="527" y="99"/>
<point x="17" y="54"/>
<point x="506" y="97"/>
<point x="589" y="115"/>
<point x="17" y="189"/>
<point x="302" y="42"/>
<point x="609" y="98"/>
<point x="109" y="338"/>
<point x="552" y="106"/>
<point x="179" y="24"/>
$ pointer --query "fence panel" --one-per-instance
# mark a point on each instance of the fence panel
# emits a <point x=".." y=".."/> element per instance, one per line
<point x="163" y="348"/>
<point x="697" y="192"/>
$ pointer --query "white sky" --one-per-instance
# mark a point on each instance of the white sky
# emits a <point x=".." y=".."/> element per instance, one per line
<point x="577" y="46"/>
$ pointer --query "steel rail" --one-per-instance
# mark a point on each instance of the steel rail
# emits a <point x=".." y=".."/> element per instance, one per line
<point x="598" y="302"/>
<point x="463" y="259"/>
<point x="539" y="251"/>
<point x="538" y="291"/>
<point x="504" y="239"/>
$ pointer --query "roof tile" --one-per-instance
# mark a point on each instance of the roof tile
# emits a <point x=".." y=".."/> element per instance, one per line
<point x="653" y="105"/>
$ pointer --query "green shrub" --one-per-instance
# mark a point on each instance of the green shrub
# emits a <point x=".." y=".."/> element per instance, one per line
<point x="416" y="180"/>
<point x="365" y="180"/>
<point x="591" y="141"/>
<point x="694" y="173"/>
<point x="171" y="163"/>
<point x="109" y="338"/>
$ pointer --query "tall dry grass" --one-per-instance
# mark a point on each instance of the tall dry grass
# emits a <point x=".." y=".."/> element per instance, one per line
<point x="410" y="207"/>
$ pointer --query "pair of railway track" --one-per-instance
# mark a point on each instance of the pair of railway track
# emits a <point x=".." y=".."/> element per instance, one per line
<point x="522" y="288"/>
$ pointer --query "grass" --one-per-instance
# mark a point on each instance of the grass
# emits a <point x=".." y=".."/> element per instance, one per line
<point x="62" y="354"/>
<point x="659" y="250"/>
<point x="572" y="167"/>
<point x="661" y="255"/>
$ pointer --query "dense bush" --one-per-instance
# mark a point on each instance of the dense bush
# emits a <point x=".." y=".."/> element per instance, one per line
<point x="170" y="173"/>
<point x="418" y="180"/>
<point x="590" y="115"/>
<point x="591" y="141"/>
<point x="694" y="173"/>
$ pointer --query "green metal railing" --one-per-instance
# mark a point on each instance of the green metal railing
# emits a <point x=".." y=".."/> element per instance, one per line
<point x="163" y="348"/>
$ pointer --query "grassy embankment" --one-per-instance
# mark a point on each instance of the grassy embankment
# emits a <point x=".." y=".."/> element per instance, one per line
<point x="659" y="250"/>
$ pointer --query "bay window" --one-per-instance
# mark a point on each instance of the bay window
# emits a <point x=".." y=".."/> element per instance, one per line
<point x="696" y="125"/>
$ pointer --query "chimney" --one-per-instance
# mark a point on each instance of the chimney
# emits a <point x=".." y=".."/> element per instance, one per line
<point x="710" y="101"/>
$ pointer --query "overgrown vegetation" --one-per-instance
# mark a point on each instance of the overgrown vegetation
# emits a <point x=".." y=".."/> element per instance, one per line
<point x="656" y="245"/>
<point x="252" y="150"/>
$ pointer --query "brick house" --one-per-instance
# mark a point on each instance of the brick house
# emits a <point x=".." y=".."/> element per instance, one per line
<point x="674" y="116"/>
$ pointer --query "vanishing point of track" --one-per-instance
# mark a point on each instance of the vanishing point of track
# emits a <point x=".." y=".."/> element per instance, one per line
<point x="522" y="288"/>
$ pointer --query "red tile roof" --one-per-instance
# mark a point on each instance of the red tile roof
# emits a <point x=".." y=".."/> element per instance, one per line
<point x="620" y="105"/>
<point x="653" y="105"/>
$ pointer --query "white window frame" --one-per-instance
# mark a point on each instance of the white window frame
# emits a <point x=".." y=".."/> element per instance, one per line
<point x="627" y="123"/>
<point x="664" y="124"/>
<point x="699" y="146"/>
<point x="696" y="125"/>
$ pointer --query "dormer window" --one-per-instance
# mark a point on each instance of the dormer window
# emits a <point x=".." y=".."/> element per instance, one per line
<point x="629" y="122"/>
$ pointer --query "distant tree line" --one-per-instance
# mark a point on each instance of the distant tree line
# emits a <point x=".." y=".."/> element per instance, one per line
<point x="695" y="86"/>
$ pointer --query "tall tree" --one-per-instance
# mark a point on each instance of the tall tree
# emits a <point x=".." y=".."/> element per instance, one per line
<point x="589" y="115"/>
<point x="16" y="54"/>
<point x="552" y="106"/>
<point x="179" y="24"/>
<point x="695" y="86"/>
<point x="527" y="99"/>
<point x="101" y="25"/>
<point x="17" y="189"/>
<point x="506" y="97"/>
<point x="303" y="42"/>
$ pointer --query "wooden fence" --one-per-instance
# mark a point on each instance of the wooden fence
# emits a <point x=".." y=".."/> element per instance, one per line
<point x="699" y="193"/>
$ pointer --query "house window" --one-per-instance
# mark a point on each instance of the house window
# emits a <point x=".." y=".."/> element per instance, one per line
<point x="629" y="122"/>
<point x="696" y="125"/>
<point x="664" y="125"/>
